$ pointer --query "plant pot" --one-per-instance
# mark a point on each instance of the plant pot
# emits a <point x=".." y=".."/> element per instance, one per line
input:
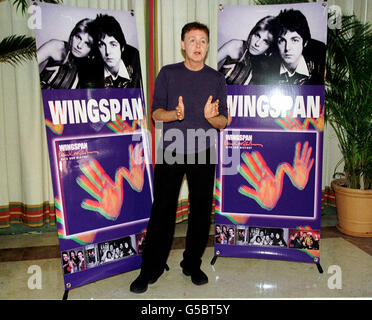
<point x="354" y="210"/>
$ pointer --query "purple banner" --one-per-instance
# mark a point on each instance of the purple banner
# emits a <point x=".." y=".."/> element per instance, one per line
<point x="97" y="138"/>
<point x="268" y="189"/>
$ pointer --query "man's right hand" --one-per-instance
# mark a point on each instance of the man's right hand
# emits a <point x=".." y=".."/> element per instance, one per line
<point x="164" y="115"/>
<point x="180" y="109"/>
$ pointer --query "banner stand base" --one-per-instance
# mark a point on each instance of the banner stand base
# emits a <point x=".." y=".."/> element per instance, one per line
<point x="65" y="295"/>
<point x="320" y="269"/>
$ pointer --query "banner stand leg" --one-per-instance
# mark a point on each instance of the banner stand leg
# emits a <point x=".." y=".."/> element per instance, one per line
<point x="320" y="269"/>
<point x="213" y="260"/>
<point x="65" y="295"/>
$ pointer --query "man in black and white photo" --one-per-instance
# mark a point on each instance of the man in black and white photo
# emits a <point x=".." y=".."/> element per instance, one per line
<point x="119" y="65"/>
<point x="302" y="58"/>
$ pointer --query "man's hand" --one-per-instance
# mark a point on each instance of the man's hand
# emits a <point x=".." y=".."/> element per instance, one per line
<point x="170" y="115"/>
<point x="211" y="109"/>
<point x="212" y="114"/>
<point x="180" y="109"/>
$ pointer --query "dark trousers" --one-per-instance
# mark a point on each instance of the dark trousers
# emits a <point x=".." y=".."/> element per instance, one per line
<point x="160" y="230"/>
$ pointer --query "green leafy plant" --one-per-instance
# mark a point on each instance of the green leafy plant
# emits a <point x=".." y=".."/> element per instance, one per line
<point x="348" y="98"/>
<point x="16" y="49"/>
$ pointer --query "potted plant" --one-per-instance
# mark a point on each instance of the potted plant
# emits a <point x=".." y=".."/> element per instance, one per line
<point x="348" y="109"/>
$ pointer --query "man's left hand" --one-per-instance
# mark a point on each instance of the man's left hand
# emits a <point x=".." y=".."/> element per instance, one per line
<point x="211" y="109"/>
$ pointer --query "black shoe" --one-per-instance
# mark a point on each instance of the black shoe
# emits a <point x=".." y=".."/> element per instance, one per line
<point x="198" y="277"/>
<point x="140" y="284"/>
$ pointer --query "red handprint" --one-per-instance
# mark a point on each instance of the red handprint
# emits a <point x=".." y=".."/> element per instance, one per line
<point x="290" y="123"/>
<point x="99" y="185"/>
<point x="135" y="174"/>
<point x="109" y="193"/>
<point x="299" y="173"/>
<point x="55" y="128"/>
<point x="120" y="126"/>
<point x="267" y="187"/>
<point x="83" y="238"/>
<point x="319" y="122"/>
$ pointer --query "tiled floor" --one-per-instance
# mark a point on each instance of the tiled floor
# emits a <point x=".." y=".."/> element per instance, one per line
<point x="236" y="278"/>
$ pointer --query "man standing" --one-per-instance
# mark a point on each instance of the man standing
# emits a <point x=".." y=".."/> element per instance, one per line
<point x="189" y="97"/>
<point x="303" y="58"/>
<point x="121" y="64"/>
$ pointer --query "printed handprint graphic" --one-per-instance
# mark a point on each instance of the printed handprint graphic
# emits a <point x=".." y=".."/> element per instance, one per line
<point x="234" y="218"/>
<point x="267" y="188"/>
<point x="83" y="239"/>
<point x="289" y="123"/>
<point x="217" y="196"/>
<point x="99" y="185"/>
<point x="120" y="126"/>
<point x="317" y="123"/>
<point x="299" y="173"/>
<point x="135" y="174"/>
<point x="55" y="128"/>
<point x="109" y="194"/>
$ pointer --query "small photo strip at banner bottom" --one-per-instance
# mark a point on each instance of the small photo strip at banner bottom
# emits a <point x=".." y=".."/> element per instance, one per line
<point x="242" y="235"/>
<point x="97" y="254"/>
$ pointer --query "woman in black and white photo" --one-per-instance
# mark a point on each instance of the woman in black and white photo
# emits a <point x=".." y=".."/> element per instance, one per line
<point x="61" y="62"/>
<point x="243" y="62"/>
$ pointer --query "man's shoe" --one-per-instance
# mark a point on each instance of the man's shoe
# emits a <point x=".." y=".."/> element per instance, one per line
<point x="198" y="277"/>
<point x="140" y="284"/>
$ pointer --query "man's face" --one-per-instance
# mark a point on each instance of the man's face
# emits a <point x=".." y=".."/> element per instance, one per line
<point x="110" y="51"/>
<point x="290" y="47"/>
<point x="196" y="45"/>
